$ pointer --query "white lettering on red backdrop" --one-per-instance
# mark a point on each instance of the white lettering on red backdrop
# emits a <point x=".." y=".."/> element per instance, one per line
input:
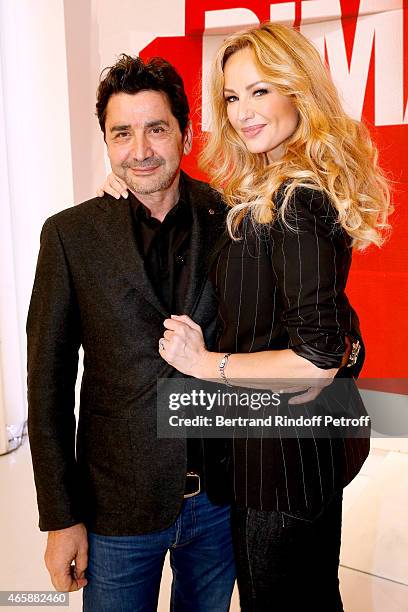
<point x="378" y="34"/>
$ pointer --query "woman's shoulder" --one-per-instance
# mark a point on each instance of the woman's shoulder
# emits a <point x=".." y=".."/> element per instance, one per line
<point x="311" y="197"/>
<point x="299" y="204"/>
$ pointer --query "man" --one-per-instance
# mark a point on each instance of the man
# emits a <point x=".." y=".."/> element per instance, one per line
<point x="108" y="274"/>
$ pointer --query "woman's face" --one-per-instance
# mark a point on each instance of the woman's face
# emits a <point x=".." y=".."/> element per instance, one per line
<point x="261" y="116"/>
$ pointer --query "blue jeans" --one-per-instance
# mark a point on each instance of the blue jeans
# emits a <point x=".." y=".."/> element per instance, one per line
<point x="124" y="572"/>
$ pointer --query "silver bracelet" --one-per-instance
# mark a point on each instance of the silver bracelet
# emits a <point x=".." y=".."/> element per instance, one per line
<point x="222" y="365"/>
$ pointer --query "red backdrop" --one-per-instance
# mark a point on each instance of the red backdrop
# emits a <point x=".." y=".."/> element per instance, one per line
<point x="378" y="285"/>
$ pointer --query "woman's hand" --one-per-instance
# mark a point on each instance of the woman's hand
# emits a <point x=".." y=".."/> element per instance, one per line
<point x="114" y="186"/>
<point x="182" y="345"/>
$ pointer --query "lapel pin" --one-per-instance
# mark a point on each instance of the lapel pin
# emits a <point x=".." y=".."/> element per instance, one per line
<point x="211" y="211"/>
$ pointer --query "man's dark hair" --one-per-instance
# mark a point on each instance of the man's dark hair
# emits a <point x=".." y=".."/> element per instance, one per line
<point x="131" y="75"/>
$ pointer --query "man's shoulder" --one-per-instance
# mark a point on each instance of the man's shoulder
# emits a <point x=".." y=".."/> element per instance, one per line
<point x="202" y="193"/>
<point x="79" y="213"/>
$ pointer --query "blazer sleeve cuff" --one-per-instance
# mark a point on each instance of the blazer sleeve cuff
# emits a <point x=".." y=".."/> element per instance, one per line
<point x="324" y="360"/>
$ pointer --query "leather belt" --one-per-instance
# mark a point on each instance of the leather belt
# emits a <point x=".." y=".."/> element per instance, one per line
<point x="193" y="485"/>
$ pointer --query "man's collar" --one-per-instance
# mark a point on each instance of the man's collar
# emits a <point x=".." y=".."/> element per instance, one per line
<point x="143" y="213"/>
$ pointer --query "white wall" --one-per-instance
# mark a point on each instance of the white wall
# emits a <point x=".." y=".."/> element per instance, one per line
<point x="36" y="176"/>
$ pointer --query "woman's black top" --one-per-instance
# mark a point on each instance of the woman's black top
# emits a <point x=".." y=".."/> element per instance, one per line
<point x="280" y="288"/>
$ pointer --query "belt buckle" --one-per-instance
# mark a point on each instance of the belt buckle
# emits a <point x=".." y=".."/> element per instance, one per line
<point x="193" y="475"/>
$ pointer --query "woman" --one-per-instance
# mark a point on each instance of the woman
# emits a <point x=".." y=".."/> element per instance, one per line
<point x="303" y="189"/>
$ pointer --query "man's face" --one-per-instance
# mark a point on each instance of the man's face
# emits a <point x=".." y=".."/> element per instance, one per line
<point x="145" y="145"/>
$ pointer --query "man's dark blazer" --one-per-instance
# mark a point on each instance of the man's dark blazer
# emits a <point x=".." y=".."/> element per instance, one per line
<point x="91" y="289"/>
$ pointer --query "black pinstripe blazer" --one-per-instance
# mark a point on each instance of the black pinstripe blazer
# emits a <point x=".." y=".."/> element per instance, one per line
<point x="280" y="288"/>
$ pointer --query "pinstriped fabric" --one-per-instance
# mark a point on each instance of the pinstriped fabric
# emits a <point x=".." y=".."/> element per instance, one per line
<point x="335" y="286"/>
<point x="257" y="297"/>
<point x="246" y="469"/>
<point x="299" y="263"/>
<point x="286" y="289"/>
<point x="301" y="463"/>
<point x="317" y="455"/>
<point x="224" y="291"/>
<point x="261" y="468"/>
<point x="240" y="303"/>
<point x="273" y="317"/>
<point x="301" y="320"/>
<point x="317" y="274"/>
<point x="257" y="256"/>
<point x="284" y="465"/>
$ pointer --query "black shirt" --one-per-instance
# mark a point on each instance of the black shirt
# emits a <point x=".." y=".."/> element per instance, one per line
<point x="165" y="248"/>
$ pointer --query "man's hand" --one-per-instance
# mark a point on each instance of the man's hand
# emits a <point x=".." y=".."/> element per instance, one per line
<point x="63" y="547"/>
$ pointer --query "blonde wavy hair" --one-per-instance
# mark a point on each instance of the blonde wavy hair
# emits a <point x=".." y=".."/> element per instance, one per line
<point x="328" y="151"/>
